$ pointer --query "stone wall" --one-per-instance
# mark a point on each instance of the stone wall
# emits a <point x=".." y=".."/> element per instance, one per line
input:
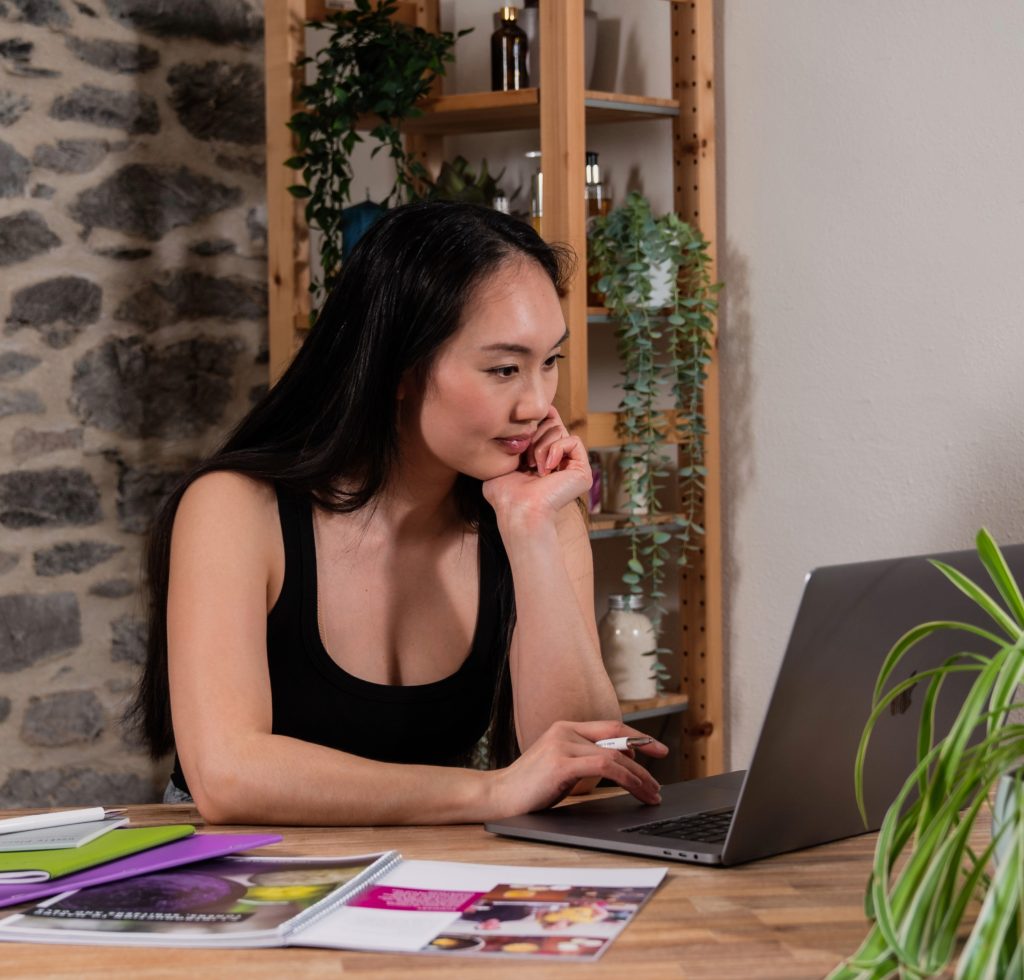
<point x="132" y="335"/>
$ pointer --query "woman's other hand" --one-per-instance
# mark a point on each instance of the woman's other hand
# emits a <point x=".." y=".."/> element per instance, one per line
<point x="555" y="470"/>
<point x="565" y="754"/>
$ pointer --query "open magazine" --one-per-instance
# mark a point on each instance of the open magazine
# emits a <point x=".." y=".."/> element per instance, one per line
<point x="376" y="902"/>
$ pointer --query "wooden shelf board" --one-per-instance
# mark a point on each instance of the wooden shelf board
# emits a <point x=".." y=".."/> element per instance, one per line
<point x="663" y="704"/>
<point x="491" y="112"/>
<point x="602" y="429"/>
<point x="605" y="525"/>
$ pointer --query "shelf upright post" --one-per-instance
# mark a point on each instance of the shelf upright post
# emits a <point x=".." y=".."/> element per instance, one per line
<point x="563" y="149"/>
<point x="700" y="594"/>
<point x="429" y="150"/>
<point x="288" y="258"/>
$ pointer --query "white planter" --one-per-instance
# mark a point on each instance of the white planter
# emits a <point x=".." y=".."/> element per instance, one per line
<point x="661" y="277"/>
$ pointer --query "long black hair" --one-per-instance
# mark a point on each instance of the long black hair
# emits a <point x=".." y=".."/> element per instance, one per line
<point x="333" y="413"/>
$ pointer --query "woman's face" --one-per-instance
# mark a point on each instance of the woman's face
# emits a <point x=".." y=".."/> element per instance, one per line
<point x="493" y="381"/>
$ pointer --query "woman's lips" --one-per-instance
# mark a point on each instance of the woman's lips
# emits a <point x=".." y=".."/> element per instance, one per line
<point x="514" y="446"/>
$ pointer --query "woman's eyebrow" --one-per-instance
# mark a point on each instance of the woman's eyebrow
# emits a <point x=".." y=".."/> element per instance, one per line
<point x="520" y="349"/>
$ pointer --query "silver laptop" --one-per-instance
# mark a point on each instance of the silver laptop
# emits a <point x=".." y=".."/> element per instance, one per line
<point x="799" y="789"/>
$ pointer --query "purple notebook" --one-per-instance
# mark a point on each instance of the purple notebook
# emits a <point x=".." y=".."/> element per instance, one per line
<point x="198" y="847"/>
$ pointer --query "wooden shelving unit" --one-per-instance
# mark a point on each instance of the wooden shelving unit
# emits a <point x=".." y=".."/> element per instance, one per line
<point x="561" y="110"/>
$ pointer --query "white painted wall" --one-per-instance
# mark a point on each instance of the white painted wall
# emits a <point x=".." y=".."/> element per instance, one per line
<point x="871" y="195"/>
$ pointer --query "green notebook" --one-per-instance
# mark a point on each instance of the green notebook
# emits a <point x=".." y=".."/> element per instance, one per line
<point x="29" y="866"/>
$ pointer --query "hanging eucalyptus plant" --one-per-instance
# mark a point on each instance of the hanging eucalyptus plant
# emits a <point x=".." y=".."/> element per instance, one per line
<point x="664" y="346"/>
<point x="371" y="68"/>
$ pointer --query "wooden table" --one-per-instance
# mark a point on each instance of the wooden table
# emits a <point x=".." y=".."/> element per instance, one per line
<point x="789" y="917"/>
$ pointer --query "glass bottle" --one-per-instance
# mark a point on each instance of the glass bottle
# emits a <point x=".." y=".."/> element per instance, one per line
<point x="626" y="634"/>
<point x="598" y="201"/>
<point x="508" y="54"/>
<point x="536" y="192"/>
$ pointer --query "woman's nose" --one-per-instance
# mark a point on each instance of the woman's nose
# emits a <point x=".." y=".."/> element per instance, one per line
<point x="534" y="401"/>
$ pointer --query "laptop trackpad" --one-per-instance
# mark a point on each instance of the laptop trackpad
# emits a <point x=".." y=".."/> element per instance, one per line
<point x="619" y="812"/>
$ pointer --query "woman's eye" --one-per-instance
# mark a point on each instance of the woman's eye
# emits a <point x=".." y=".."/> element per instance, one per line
<point x="553" y="360"/>
<point x="505" y="371"/>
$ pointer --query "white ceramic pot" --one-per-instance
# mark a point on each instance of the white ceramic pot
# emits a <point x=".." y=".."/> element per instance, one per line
<point x="661" y="277"/>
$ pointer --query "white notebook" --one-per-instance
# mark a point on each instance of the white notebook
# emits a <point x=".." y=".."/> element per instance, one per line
<point x="52" y="838"/>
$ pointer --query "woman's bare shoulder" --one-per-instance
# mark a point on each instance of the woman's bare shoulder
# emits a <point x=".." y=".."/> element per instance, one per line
<point x="228" y="500"/>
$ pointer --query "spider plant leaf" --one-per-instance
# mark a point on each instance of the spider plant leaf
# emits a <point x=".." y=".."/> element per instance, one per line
<point x="1000" y="573"/>
<point x="982" y="598"/>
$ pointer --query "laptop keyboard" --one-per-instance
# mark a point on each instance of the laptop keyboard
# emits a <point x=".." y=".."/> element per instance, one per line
<point x="709" y="828"/>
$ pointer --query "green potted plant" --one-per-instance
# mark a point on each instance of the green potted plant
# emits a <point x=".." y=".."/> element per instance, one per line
<point x="458" y="182"/>
<point x="370" y="66"/>
<point x="654" y="276"/>
<point x="927" y="879"/>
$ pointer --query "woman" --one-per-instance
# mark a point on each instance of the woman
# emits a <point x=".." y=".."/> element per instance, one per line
<point x="404" y="494"/>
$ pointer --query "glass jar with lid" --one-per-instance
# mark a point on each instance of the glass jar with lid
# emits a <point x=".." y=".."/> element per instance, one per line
<point x="626" y="635"/>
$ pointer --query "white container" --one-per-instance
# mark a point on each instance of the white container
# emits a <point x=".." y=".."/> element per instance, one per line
<point x="661" y="277"/>
<point x="626" y="634"/>
<point x="616" y="498"/>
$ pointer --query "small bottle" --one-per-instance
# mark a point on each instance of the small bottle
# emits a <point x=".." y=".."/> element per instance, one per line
<point x="594" y="500"/>
<point x="508" y="54"/>
<point x="536" y="192"/>
<point x="626" y="634"/>
<point x="598" y="202"/>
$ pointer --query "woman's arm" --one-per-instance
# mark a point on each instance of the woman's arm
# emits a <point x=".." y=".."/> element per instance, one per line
<point x="226" y="565"/>
<point x="555" y="658"/>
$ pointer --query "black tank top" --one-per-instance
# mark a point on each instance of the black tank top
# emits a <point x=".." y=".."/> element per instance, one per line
<point x="317" y="701"/>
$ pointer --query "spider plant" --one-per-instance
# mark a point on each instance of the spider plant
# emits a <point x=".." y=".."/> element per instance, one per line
<point x="928" y="879"/>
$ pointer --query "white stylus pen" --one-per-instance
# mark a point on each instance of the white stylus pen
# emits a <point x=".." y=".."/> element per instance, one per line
<point x="60" y="818"/>
<point x="626" y="742"/>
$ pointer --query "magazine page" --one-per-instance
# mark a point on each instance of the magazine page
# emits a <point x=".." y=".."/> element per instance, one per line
<point x="229" y="901"/>
<point x="444" y="907"/>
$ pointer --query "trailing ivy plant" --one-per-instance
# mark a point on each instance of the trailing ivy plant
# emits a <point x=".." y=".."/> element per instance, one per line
<point x="370" y="66"/>
<point x="664" y="357"/>
<point x="927" y="878"/>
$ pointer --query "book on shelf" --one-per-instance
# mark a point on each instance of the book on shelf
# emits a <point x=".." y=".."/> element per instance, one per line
<point x="186" y="850"/>
<point x="371" y="902"/>
<point x="56" y="838"/>
<point x="29" y="866"/>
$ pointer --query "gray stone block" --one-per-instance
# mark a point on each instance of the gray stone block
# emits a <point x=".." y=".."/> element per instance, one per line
<point x="20" y="403"/>
<point x="119" y="57"/>
<point x="74" y="786"/>
<point x="37" y="442"/>
<point x="189" y="295"/>
<point x="219" y="21"/>
<point x="72" y="557"/>
<point x="148" y="201"/>
<point x="14" y="171"/>
<point x="8" y="559"/>
<point x="129" y="640"/>
<point x="136" y="114"/>
<point x="218" y="100"/>
<point x="59" y="308"/>
<point x="23" y="236"/>
<point x="125" y="254"/>
<point x="141" y="391"/>
<point x="43" y="13"/>
<point x="63" y="718"/>
<point x="33" y="627"/>
<point x="113" y="588"/>
<point x="14" y="365"/>
<point x="212" y="247"/>
<point x="55" y="497"/>
<point x="13" y="105"/>
<point x="71" y="156"/>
